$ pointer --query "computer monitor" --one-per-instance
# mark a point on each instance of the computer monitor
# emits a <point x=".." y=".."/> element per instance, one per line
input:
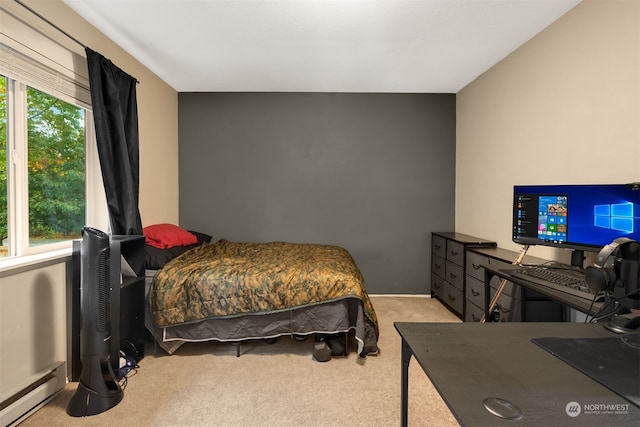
<point x="577" y="217"/>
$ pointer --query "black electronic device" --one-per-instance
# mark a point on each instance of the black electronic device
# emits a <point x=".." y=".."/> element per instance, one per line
<point x="602" y="274"/>
<point x="127" y="301"/>
<point x="576" y="217"/>
<point x="617" y="272"/>
<point x="98" y="389"/>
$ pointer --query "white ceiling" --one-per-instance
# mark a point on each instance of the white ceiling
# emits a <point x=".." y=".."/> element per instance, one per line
<point x="427" y="46"/>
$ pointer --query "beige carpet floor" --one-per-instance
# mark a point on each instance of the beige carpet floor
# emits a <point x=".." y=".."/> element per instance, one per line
<point x="205" y="384"/>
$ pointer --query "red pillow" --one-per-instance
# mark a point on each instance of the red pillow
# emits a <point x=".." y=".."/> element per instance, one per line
<point x="167" y="236"/>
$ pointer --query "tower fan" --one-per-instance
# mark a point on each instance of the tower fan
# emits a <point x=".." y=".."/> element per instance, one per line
<point x="98" y="389"/>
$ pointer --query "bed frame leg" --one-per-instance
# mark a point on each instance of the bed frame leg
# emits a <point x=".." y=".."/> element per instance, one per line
<point x="346" y="343"/>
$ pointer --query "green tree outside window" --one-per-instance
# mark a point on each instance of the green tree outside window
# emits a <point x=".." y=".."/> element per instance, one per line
<point x="56" y="168"/>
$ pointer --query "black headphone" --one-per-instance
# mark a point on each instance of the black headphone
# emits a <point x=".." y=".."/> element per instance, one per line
<point x="602" y="274"/>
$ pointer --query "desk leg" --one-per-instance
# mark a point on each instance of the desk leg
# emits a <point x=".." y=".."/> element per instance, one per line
<point x="487" y="296"/>
<point x="404" y="383"/>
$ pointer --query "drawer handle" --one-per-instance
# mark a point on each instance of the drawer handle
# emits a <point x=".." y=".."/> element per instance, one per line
<point x="436" y="285"/>
<point x="474" y="292"/>
<point x="476" y="266"/>
<point x="451" y="298"/>
<point x="474" y="318"/>
<point x="452" y="275"/>
<point x="454" y="253"/>
<point x="437" y="246"/>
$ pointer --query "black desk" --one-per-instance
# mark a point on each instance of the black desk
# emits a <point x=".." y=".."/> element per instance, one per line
<point x="580" y="304"/>
<point x="468" y="362"/>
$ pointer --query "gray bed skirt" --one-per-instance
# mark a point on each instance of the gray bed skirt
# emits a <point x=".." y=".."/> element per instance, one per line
<point x="327" y="318"/>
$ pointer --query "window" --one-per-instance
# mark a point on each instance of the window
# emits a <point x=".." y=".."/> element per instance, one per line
<point x="55" y="168"/>
<point x="42" y="174"/>
<point x="50" y="181"/>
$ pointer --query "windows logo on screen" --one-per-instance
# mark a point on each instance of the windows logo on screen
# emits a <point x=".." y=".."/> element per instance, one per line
<point x="617" y="216"/>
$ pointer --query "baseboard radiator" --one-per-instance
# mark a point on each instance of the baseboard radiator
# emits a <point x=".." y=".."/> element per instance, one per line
<point x="24" y="402"/>
<point x="33" y="337"/>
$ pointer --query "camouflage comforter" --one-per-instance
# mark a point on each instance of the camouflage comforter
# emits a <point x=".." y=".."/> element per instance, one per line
<point x="227" y="279"/>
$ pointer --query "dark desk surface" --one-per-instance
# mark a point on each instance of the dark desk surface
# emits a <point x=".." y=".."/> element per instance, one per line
<point x="468" y="362"/>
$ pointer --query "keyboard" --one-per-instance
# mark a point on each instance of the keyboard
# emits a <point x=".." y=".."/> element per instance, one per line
<point x="564" y="280"/>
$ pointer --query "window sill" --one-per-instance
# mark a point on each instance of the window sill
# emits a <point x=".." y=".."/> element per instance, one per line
<point x="29" y="262"/>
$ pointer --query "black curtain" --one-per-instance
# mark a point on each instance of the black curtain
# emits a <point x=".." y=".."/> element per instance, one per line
<point x="115" y="112"/>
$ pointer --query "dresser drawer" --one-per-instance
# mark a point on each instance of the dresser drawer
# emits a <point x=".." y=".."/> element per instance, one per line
<point x="453" y="298"/>
<point x="510" y="308"/>
<point x="455" y="275"/>
<point x="438" y="266"/>
<point x="455" y="252"/>
<point x="475" y="265"/>
<point x="439" y="246"/>
<point x="437" y="286"/>
<point x="473" y="313"/>
<point x="497" y="264"/>
<point x="509" y="288"/>
<point x="448" y="269"/>
<point x="475" y="291"/>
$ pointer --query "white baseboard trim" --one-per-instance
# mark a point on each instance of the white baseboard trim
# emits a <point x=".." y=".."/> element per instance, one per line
<point x="17" y="411"/>
<point x="401" y="295"/>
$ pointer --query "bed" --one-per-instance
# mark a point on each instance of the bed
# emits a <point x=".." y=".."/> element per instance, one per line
<point x="238" y="291"/>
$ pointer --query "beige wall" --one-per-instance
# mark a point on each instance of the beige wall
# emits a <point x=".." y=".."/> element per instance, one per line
<point x="562" y="109"/>
<point x="157" y="115"/>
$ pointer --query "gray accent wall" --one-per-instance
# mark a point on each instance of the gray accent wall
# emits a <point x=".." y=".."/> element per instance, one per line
<point x="373" y="173"/>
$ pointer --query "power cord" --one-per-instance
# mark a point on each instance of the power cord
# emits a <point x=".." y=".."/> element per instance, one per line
<point x="128" y="368"/>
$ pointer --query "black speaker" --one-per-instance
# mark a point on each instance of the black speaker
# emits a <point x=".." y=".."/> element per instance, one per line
<point x="98" y="389"/>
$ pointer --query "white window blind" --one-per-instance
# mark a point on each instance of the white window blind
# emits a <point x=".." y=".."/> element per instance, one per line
<point x="42" y="61"/>
<point x="17" y="66"/>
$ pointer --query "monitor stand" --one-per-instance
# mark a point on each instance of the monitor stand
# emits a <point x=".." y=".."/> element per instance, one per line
<point x="610" y="310"/>
<point x="577" y="258"/>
